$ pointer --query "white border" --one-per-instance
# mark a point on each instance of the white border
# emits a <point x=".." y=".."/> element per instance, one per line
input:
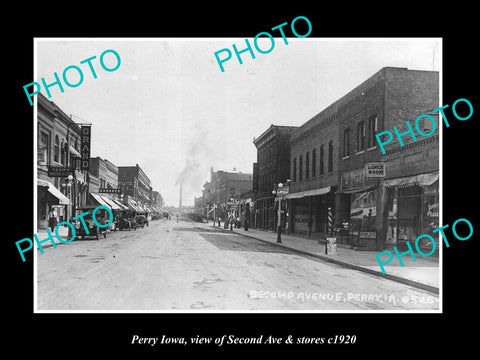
<point x="35" y="139"/>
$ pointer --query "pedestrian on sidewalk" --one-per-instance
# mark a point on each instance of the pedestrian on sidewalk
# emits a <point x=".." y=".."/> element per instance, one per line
<point x="245" y="225"/>
<point x="310" y="222"/>
<point x="52" y="219"/>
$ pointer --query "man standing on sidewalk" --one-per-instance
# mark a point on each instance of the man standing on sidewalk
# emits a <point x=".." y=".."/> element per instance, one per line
<point x="52" y="219"/>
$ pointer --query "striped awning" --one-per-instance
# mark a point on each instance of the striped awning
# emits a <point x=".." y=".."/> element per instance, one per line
<point x="99" y="199"/>
<point x="62" y="199"/>
<point x="421" y="180"/>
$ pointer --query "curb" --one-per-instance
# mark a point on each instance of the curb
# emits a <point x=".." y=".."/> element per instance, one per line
<point x="396" y="278"/>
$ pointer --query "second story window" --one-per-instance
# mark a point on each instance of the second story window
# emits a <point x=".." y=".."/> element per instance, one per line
<point x="330" y="156"/>
<point x="346" y="142"/>
<point x="300" y="168"/>
<point x="361" y="136"/>
<point x="294" y="175"/>
<point x="307" y="165"/>
<point x="372" y="130"/>
<point x="56" y="150"/>
<point x="322" y="159"/>
<point x="314" y="162"/>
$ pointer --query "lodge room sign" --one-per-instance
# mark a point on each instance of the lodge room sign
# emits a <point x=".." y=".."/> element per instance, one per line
<point x="85" y="147"/>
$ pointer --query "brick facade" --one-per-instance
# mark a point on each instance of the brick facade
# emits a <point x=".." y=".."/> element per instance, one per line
<point x="373" y="207"/>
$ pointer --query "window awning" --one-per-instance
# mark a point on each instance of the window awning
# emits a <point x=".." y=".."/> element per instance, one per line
<point x="314" y="192"/>
<point x="54" y="191"/>
<point x="421" y="180"/>
<point x="74" y="151"/>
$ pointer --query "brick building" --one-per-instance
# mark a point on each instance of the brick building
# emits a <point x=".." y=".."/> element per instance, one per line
<point x="272" y="167"/>
<point x="314" y="172"/>
<point x="223" y="187"/>
<point x="135" y="184"/>
<point x="58" y="146"/>
<point x="387" y="211"/>
<point x="378" y="212"/>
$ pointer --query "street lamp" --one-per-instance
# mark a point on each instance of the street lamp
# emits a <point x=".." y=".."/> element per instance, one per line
<point x="278" y="191"/>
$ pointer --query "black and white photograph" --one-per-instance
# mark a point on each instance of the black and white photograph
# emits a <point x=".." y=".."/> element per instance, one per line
<point x="219" y="180"/>
<point x="231" y="175"/>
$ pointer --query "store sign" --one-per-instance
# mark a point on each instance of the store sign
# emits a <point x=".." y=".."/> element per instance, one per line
<point x="126" y="185"/>
<point x="86" y="131"/>
<point x="110" y="191"/>
<point x="59" y="171"/>
<point x="367" y="234"/>
<point x="353" y="179"/>
<point x="375" y="169"/>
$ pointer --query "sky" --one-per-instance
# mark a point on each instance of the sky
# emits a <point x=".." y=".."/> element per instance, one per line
<point x="169" y="107"/>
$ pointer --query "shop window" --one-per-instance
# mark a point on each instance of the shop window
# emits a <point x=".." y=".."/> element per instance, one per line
<point x="363" y="211"/>
<point x="430" y="213"/>
<point x="392" y="214"/>
<point x="409" y="200"/>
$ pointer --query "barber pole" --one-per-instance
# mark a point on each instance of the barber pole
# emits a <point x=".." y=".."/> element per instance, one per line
<point x="330" y="221"/>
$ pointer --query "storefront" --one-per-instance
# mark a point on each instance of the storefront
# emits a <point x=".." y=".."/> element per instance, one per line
<point x="51" y="204"/>
<point x="265" y="213"/>
<point x="308" y="210"/>
<point x="358" y="217"/>
<point x="412" y="210"/>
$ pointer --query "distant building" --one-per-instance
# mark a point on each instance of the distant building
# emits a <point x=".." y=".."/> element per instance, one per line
<point x="158" y="202"/>
<point x="226" y="186"/>
<point x="135" y="183"/>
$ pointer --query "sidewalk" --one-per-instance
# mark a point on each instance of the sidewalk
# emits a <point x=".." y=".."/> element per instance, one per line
<point x="422" y="273"/>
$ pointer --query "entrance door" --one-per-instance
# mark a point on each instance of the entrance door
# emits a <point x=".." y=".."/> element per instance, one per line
<point x="409" y="208"/>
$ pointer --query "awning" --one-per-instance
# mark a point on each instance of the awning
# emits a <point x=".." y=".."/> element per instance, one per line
<point x="122" y="206"/>
<point x="74" y="151"/>
<point x="421" y="179"/>
<point x="133" y="204"/>
<point x="111" y="203"/>
<point x="357" y="190"/>
<point x="314" y="192"/>
<point x="54" y="191"/>
<point x="99" y="199"/>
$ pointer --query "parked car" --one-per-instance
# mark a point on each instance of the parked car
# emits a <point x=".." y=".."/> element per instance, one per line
<point x="125" y="220"/>
<point x="141" y="219"/>
<point x="93" y="229"/>
<point x="156" y="216"/>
